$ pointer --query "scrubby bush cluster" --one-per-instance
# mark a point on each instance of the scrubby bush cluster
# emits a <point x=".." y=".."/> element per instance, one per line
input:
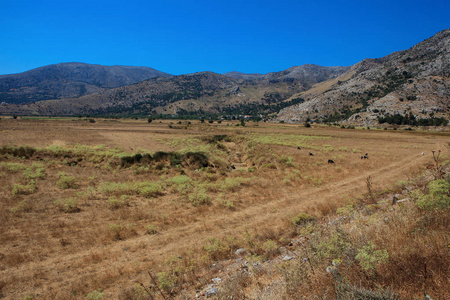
<point x="160" y="158"/>
<point x="410" y="119"/>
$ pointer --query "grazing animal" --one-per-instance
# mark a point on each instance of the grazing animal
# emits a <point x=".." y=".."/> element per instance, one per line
<point x="364" y="157"/>
<point x="310" y="154"/>
<point x="394" y="200"/>
<point x="233" y="167"/>
<point x="299" y="148"/>
<point x="330" y="161"/>
<point x="423" y="153"/>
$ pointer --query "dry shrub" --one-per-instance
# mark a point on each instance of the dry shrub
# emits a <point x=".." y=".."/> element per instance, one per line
<point x="328" y="208"/>
<point x="234" y="287"/>
<point x="122" y="231"/>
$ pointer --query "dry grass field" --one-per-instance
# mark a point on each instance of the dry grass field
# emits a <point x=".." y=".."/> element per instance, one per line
<point x="83" y="217"/>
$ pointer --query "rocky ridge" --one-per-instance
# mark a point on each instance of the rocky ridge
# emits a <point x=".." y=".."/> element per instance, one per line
<point x="412" y="81"/>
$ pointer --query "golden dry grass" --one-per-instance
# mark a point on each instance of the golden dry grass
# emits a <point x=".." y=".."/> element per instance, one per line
<point x="50" y="251"/>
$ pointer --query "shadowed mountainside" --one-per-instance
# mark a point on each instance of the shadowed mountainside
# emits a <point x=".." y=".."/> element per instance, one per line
<point x="69" y="80"/>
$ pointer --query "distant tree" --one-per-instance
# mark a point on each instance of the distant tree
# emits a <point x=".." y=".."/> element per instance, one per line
<point x="14" y="117"/>
<point x="307" y="125"/>
<point x="149" y="120"/>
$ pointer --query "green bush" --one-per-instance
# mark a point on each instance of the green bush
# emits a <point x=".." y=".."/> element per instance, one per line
<point x="233" y="184"/>
<point x="95" y="295"/>
<point x="199" y="197"/>
<point x="302" y="219"/>
<point x="199" y="159"/>
<point x="220" y="248"/>
<point x="286" y="160"/>
<point x="151" y="229"/>
<point x="22" y="151"/>
<point x="181" y="184"/>
<point x="438" y="196"/>
<point x="369" y="258"/>
<point x="115" y="203"/>
<point x="117" y="230"/>
<point x="337" y="245"/>
<point x="67" y="182"/>
<point x="166" y="281"/>
<point x="69" y="205"/>
<point x="34" y="171"/>
<point x="20" y="189"/>
<point x="148" y="189"/>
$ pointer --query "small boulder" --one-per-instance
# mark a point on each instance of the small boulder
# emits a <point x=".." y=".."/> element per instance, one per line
<point x="211" y="292"/>
<point x="240" y="252"/>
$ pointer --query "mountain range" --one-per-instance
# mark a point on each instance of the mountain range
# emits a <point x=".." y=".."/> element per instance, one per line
<point x="68" y="80"/>
<point x="413" y="82"/>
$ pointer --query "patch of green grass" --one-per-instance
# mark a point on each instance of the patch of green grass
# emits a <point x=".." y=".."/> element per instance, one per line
<point x="142" y="188"/>
<point x="151" y="229"/>
<point x="199" y="197"/>
<point x="302" y="218"/>
<point x="181" y="184"/>
<point x="67" y="182"/>
<point x="12" y="167"/>
<point x="36" y="170"/>
<point x="233" y="184"/>
<point x="287" y="161"/>
<point x="68" y="205"/>
<point x="121" y="231"/>
<point x="20" y="189"/>
<point x="287" y="140"/>
<point x="148" y="189"/>
<point x="23" y="205"/>
<point x="116" y="203"/>
<point x="95" y="295"/>
<point x="438" y="196"/>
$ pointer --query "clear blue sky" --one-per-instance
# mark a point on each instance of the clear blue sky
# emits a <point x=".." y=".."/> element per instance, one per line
<point x="186" y="36"/>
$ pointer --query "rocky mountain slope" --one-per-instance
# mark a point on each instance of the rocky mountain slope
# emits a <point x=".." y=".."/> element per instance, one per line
<point x="198" y="93"/>
<point x="69" y="80"/>
<point x="413" y="83"/>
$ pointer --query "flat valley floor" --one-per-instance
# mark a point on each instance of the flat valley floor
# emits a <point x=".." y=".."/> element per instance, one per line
<point x="77" y="217"/>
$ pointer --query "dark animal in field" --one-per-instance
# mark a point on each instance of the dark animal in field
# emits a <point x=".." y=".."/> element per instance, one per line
<point x="330" y="161"/>
<point x="233" y="167"/>
<point x="299" y="148"/>
<point x="310" y="154"/>
<point x="364" y="157"/>
<point x="72" y="163"/>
